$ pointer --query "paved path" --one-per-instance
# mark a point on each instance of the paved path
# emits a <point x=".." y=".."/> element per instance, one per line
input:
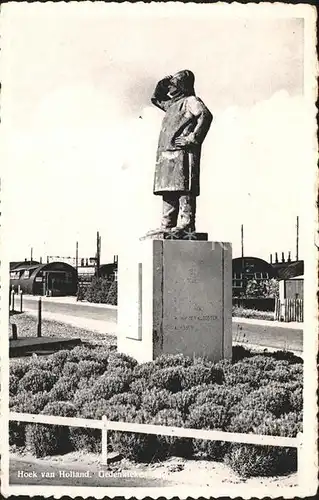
<point x="103" y="318"/>
<point x="98" y="317"/>
<point x="268" y="335"/>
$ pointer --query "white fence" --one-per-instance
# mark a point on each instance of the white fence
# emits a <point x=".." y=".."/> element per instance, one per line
<point x="106" y="425"/>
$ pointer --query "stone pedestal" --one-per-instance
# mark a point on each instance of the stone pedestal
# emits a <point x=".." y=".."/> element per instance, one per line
<point x="175" y="296"/>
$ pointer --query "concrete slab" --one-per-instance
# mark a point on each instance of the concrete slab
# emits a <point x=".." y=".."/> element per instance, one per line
<point x="27" y="345"/>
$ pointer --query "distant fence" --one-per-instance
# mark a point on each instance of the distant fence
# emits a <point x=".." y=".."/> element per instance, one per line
<point x="259" y="304"/>
<point x="289" y="310"/>
<point x="211" y="435"/>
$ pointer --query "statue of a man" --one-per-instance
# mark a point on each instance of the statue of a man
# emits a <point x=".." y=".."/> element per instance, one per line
<point x="184" y="128"/>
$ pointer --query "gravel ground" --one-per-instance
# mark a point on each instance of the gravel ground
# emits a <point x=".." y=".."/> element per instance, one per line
<point x="27" y="327"/>
<point x="173" y="471"/>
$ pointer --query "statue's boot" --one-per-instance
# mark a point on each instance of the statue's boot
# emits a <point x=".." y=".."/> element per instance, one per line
<point x="188" y="228"/>
<point x="159" y="230"/>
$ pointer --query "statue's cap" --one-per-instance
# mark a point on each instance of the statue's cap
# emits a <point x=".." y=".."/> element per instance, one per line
<point x="184" y="80"/>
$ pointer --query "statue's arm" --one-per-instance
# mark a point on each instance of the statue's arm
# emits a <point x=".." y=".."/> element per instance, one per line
<point x="160" y="97"/>
<point x="204" y="119"/>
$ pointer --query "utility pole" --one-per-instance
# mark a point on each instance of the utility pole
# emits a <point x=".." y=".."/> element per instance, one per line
<point x="242" y="240"/>
<point x="297" y="238"/>
<point x="77" y="256"/>
<point x="98" y="254"/>
<point x="31" y="255"/>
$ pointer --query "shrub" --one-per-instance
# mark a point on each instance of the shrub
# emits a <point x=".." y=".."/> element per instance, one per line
<point x="86" y="383"/>
<point x="45" y="363"/>
<point x="43" y="440"/>
<point x="170" y="360"/>
<point x="60" y="408"/>
<point x="287" y="425"/>
<point x="88" y="440"/>
<point x="183" y="400"/>
<point x="83" y="396"/>
<point x="94" y="408"/>
<point x="70" y="369"/>
<point x="272" y="398"/>
<point x="222" y="395"/>
<point x="138" y="386"/>
<point x="101" y="290"/>
<point x="288" y="356"/>
<point x="59" y="358"/>
<point x="19" y="369"/>
<point x="260" y="362"/>
<point x="17" y="433"/>
<point x="82" y="353"/>
<point x="84" y="438"/>
<point x="27" y="402"/>
<point x="144" y="370"/>
<point x="13" y="384"/>
<point x="88" y="369"/>
<point x="201" y="373"/>
<point x="168" y="378"/>
<point x="119" y="359"/>
<point x="251" y="460"/>
<point x="125" y="398"/>
<point x="296" y="371"/>
<point x="36" y="380"/>
<point x="154" y="400"/>
<point x="109" y="384"/>
<point x="135" y="446"/>
<point x="64" y="389"/>
<point x="170" y="445"/>
<point x="209" y="416"/>
<point x="296" y="400"/>
<point x="239" y="352"/>
<point x="279" y="374"/>
<point x="246" y="421"/>
<point x="262" y="289"/>
<point x="242" y="312"/>
<point x="243" y="373"/>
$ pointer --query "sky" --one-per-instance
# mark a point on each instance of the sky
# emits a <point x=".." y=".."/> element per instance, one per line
<point x="80" y="133"/>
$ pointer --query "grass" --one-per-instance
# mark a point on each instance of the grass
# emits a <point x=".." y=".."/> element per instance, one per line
<point x="241" y="312"/>
<point x="27" y="327"/>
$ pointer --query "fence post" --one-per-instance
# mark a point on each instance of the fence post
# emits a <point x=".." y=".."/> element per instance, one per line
<point x="21" y="301"/>
<point x="39" y="318"/>
<point x="12" y="300"/>
<point x="104" y="441"/>
<point x="14" y="331"/>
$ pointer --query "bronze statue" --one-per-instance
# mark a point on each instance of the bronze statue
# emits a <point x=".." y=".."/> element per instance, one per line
<point x="184" y="128"/>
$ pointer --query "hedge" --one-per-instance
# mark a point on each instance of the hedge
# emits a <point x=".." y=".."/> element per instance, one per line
<point x="254" y="393"/>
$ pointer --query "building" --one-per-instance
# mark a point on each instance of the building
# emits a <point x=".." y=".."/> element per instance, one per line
<point x="250" y="268"/>
<point x="55" y="279"/>
<point x="15" y="264"/>
<point x="292" y="288"/>
<point x="289" y="269"/>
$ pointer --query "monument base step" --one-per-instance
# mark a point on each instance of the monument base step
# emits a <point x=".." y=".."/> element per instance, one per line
<point x="182" y="234"/>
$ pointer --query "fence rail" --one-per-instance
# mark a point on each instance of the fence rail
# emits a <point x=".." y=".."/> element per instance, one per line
<point x="107" y="425"/>
<point x="289" y="310"/>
